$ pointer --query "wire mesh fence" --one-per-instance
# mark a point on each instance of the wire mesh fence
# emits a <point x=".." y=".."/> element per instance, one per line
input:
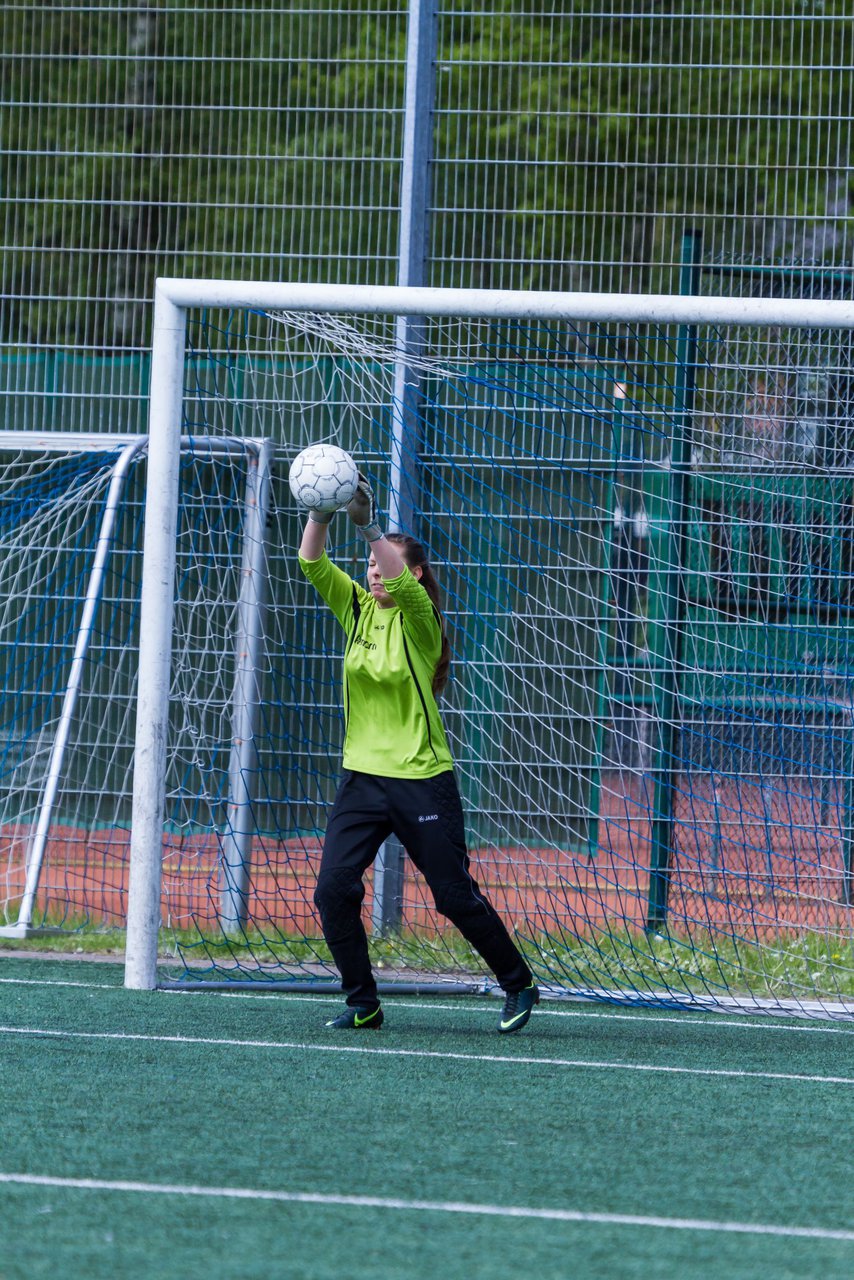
<point x="570" y="145"/>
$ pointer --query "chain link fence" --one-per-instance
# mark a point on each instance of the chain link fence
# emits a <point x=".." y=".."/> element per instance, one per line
<point x="570" y="145"/>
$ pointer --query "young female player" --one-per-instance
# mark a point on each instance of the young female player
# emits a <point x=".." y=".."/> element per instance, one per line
<point x="398" y="774"/>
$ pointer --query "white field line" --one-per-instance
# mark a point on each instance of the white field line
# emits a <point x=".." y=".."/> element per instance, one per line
<point x="427" y="1206"/>
<point x="366" y="1050"/>
<point x="468" y="1005"/>
<point x="644" y="1013"/>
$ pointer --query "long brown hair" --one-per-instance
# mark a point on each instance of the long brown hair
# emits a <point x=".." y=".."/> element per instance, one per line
<point x="415" y="556"/>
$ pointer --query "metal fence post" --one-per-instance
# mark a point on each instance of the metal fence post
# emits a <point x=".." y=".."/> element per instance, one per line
<point x="670" y="605"/>
<point x="413" y="248"/>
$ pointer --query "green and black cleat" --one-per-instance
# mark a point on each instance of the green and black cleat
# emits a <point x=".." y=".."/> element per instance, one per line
<point x="357" y="1019"/>
<point x="517" y="1008"/>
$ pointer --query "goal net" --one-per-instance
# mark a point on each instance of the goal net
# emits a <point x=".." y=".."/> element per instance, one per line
<point x="643" y="530"/>
<point x="71" y="519"/>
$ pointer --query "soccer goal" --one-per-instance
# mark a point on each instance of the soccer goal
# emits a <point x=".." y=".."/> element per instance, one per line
<point x="71" y="518"/>
<point x="641" y="511"/>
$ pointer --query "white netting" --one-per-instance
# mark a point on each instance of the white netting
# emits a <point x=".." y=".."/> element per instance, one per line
<point x="650" y="704"/>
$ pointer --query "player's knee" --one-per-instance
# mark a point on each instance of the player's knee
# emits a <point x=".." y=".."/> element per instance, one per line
<point x="338" y="891"/>
<point x="457" y="900"/>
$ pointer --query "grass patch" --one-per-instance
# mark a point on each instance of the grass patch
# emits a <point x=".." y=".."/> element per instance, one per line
<point x="255" y="1094"/>
<point x="795" y="967"/>
<point x="85" y="941"/>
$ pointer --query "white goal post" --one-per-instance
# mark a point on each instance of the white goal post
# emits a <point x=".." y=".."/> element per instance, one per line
<point x="173" y="300"/>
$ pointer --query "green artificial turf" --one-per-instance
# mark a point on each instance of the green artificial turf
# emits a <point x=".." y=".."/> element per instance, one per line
<point x="449" y="1111"/>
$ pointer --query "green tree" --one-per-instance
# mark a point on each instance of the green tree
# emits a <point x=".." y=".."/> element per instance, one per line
<point x="571" y="148"/>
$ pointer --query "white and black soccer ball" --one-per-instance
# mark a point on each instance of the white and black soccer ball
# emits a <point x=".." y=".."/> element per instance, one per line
<point x="323" y="477"/>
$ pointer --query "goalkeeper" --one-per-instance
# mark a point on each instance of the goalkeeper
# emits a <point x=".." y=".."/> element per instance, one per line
<point x="398" y="773"/>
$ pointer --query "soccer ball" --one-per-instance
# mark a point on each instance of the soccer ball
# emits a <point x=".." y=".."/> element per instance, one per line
<point x="323" y="477"/>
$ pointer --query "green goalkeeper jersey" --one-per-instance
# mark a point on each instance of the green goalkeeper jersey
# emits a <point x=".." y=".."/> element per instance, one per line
<point x="393" y="728"/>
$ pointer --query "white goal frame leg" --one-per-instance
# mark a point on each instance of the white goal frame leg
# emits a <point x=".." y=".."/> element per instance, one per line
<point x="155" y="647"/>
<point x="243" y="767"/>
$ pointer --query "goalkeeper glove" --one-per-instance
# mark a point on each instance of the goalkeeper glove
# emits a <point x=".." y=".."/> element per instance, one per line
<point x="362" y="511"/>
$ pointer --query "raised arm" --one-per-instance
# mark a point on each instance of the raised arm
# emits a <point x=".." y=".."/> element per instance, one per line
<point x="313" y="542"/>
<point x="361" y="511"/>
<point x="389" y="560"/>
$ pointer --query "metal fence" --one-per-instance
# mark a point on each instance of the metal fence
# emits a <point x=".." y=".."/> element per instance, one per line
<point x="564" y="145"/>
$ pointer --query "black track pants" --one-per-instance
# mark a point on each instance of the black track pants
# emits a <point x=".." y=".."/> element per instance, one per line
<point x="426" y="815"/>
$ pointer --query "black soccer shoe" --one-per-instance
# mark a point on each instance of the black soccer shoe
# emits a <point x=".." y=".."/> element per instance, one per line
<point x="517" y="1009"/>
<point x="357" y="1019"/>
